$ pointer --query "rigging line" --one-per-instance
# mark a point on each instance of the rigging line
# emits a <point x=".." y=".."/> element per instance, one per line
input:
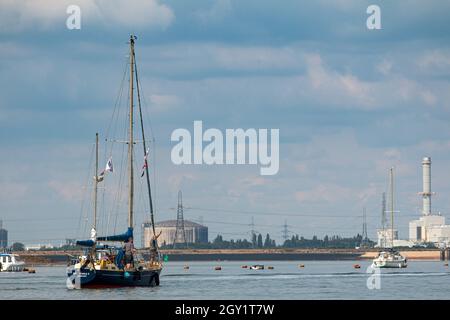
<point x="153" y="143"/>
<point x="152" y="218"/>
<point x="118" y="99"/>
<point x="116" y="203"/>
<point x="84" y="191"/>
<point x="316" y="215"/>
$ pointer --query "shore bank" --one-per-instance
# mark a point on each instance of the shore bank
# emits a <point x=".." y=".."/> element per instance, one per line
<point x="62" y="257"/>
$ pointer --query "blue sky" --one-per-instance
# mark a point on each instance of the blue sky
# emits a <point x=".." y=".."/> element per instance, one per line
<point x="349" y="103"/>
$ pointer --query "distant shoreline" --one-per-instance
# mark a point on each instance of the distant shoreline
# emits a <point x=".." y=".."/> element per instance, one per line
<point x="63" y="257"/>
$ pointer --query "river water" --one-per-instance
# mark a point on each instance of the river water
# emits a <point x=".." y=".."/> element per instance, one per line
<point x="317" y="280"/>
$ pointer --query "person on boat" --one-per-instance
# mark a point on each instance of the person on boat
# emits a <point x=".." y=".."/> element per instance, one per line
<point x="153" y="247"/>
<point x="129" y="251"/>
<point x="107" y="257"/>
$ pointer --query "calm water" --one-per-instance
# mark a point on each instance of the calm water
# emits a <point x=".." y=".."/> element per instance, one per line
<point x="318" y="280"/>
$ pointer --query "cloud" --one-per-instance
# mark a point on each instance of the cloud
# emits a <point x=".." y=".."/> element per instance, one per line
<point x="324" y="192"/>
<point x="47" y="15"/>
<point x="384" y="67"/>
<point x="216" y="13"/>
<point x="163" y="103"/>
<point x="136" y="13"/>
<point x="69" y="191"/>
<point x="436" y="59"/>
<point x="13" y="191"/>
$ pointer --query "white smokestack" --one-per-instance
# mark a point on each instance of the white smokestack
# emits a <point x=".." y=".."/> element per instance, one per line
<point x="426" y="194"/>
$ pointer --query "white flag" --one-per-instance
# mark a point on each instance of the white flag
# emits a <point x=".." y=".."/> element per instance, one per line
<point x="109" y="167"/>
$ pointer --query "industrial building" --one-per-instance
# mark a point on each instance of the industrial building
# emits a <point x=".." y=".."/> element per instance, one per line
<point x="194" y="232"/>
<point x="3" y="236"/>
<point x="429" y="228"/>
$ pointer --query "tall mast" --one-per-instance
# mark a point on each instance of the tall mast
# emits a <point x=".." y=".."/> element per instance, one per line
<point x="130" y="141"/>
<point x="392" y="206"/>
<point x="383" y="211"/>
<point x="95" y="182"/>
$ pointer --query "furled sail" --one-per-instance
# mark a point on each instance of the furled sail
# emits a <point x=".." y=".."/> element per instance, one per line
<point x="120" y="237"/>
<point x="85" y="243"/>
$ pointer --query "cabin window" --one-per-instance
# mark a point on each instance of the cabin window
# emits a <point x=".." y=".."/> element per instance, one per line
<point x="9" y="258"/>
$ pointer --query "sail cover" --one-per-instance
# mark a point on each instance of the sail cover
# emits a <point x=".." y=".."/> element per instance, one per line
<point x="85" y="243"/>
<point x="120" y="237"/>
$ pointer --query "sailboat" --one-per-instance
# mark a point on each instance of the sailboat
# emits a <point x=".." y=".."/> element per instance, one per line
<point x="390" y="258"/>
<point x="103" y="264"/>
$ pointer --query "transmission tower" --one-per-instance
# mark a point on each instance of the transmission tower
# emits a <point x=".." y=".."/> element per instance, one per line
<point x="180" y="235"/>
<point x="365" y="238"/>
<point x="253" y="232"/>
<point x="285" y="232"/>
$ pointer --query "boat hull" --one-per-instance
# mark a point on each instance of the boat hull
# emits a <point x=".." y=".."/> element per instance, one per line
<point x="14" y="268"/>
<point x="88" y="278"/>
<point x="389" y="264"/>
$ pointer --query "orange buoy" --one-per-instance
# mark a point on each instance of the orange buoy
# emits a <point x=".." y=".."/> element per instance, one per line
<point x="218" y="268"/>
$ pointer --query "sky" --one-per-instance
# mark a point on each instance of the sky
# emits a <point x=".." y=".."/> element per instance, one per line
<point x="349" y="103"/>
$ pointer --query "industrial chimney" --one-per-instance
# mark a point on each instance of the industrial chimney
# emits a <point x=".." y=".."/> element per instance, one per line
<point x="426" y="193"/>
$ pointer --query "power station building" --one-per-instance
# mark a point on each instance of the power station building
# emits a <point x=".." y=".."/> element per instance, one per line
<point x="3" y="236"/>
<point x="429" y="228"/>
<point x="194" y="232"/>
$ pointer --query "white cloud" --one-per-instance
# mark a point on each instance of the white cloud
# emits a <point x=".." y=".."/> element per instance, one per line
<point x="17" y="16"/>
<point x="337" y="87"/>
<point x="163" y="103"/>
<point x="219" y="10"/>
<point x="67" y="190"/>
<point x="324" y="192"/>
<point x="436" y="59"/>
<point x="13" y="191"/>
<point x="384" y="67"/>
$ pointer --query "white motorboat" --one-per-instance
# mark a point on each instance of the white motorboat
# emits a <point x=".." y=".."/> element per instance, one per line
<point x="11" y="262"/>
<point x="390" y="259"/>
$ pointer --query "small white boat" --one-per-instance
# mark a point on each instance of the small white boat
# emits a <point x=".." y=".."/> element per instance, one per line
<point x="257" y="267"/>
<point x="11" y="262"/>
<point x="390" y="259"/>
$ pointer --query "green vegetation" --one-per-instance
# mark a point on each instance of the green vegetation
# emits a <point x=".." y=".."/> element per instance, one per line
<point x="295" y="242"/>
<point x="17" y="246"/>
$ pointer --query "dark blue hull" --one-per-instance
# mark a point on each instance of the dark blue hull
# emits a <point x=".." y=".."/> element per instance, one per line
<point x="111" y="278"/>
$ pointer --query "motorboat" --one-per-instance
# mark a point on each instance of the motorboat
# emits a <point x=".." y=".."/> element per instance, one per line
<point x="11" y="262"/>
<point x="390" y="259"/>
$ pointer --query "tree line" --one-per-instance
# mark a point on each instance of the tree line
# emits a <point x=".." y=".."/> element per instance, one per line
<point x="258" y="242"/>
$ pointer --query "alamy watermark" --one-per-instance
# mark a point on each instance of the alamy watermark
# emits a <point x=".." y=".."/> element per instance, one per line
<point x="74" y="280"/>
<point x="240" y="146"/>
<point x="373" y="22"/>
<point x="374" y="280"/>
<point x="73" y="21"/>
